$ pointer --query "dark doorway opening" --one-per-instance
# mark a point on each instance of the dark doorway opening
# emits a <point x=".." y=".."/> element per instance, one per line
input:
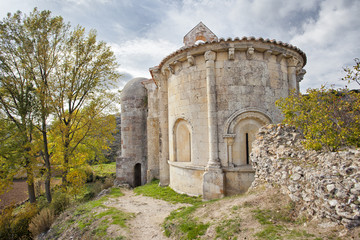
<point x="137" y="175"/>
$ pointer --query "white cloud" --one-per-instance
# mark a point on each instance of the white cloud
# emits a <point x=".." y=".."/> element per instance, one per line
<point x="138" y="55"/>
<point x="331" y="42"/>
<point x="143" y="32"/>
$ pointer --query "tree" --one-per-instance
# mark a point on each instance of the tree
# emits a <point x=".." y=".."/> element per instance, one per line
<point x="326" y="117"/>
<point x="30" y="51"/>
<point x="49" y="72"/>
<point x="79" y="91"/>
<point x="353" y="74"/>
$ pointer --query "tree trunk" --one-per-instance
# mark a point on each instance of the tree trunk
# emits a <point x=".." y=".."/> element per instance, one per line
<point x="30" y="184"/>
<point x="47" y="163"/>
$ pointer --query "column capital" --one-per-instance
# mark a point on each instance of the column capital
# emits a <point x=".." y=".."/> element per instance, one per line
<point x="292" y="62"/>
<point x="210" y="56"/>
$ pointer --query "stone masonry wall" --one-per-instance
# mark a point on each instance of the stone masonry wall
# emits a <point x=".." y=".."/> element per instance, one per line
<point x="323" y="184"/>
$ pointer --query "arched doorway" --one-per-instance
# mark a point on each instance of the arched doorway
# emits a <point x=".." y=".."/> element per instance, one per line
<point x="137" y="175"/>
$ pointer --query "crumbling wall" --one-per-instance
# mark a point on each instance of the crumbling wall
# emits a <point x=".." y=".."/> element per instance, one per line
<point x="323" y="184"/>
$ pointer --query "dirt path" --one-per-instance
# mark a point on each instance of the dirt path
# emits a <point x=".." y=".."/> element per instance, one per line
<point x="150" y="214"/>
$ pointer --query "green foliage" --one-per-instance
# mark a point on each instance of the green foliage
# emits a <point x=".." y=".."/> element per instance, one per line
<point x="326" y="117"/>
<point x="105" y="170"/>
<point x="153" y="189"/>
<point x="53" y="76"/>
<point x="13" y="225"/>
<point x="60" y="202"/>
<point x="42" y="222"/>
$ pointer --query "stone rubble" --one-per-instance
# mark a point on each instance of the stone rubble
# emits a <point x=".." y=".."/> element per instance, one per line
<point x="323" y="184"/>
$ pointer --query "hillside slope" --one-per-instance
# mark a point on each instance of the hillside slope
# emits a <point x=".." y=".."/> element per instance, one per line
<point x="260" y="214"/>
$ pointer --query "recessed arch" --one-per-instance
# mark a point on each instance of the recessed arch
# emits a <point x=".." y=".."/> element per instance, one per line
<point x="240" y="131"/>
<point x="182" y="141"/>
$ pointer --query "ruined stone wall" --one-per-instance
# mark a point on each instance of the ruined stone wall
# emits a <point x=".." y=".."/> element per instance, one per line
<point x="323" y="184"/>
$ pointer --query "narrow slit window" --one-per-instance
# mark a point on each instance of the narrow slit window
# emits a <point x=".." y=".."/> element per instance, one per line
<point x="247" y="148"/>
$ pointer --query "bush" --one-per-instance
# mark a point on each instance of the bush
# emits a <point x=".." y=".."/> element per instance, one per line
<point x="89" y="173"/>
<point x="59" y="202"/>
<point x="108" y="183"/>
<point x="15" y="226"/>
<point x="42" y="222"/>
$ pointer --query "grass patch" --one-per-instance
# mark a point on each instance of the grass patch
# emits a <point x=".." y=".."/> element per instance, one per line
<point x="228" y="228"/>
<point x="85" y="215"/>
<point x="153" y="190"/>
<point x="115" y="192"/>
<point x="181" y="224"/>
<point x="272" y="227"/>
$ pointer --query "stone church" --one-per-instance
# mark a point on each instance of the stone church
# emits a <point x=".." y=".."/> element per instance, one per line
<point x="193" y="123"/>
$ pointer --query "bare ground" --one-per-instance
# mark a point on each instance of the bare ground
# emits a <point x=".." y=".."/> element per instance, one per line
<point x="150" y="213"/>
<point x="17" y="193"/>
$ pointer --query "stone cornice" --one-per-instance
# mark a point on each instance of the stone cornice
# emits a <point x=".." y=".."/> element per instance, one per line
<point x="243" y="44"/>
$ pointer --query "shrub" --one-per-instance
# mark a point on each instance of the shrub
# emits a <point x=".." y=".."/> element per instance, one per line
<point x="42" y="222"/>
<point x="108" y="183"/>
<point x="15" y="226"/>
<point x="89" y="173"/>
<point x="59" y="202"/>
<point x="326" y="117"/>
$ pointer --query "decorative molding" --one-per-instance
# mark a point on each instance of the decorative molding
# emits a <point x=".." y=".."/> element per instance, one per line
<point x="267" y="54"/>
<point x="280" y="57"/>
<point x="292" y="62"/>
<point x="250" y="53"/>
<point x="300" y="75"/>
<point x="171" y="69"/>
<point x="210" y="56"/>
<point x="191" y="60"/>
<point x="242" y="114"/>
<point x="231" y="53"/>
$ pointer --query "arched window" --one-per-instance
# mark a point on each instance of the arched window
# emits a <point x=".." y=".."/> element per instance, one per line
<point x="182" y="143"/>
<point x="245" y="133"/>
<point x="240" y="132"/>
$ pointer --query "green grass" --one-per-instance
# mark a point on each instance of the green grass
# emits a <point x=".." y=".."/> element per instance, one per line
<point x="274" y="228"/>
<point x="181" y="224"/>
<point x="105" y="169"/>
<point x="85" y="215"/>
<point x="228" y="228"/>
<point x="153" y="190"/>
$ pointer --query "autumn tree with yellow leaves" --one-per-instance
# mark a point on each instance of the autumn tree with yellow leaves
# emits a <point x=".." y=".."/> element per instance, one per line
<point x="54" y="85"/>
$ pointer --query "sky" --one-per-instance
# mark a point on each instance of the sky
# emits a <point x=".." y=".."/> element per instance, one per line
<point x="143" y="32"/>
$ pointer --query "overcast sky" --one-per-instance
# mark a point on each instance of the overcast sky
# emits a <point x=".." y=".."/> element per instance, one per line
<point x="143" y="32"/>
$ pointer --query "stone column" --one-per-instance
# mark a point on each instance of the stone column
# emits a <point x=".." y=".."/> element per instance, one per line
<point x="213" y="178"/>
<point x="152" y="128"/>
<point x="161" y="81"/>
<point x="292" y="63"/>
<point x="211" y="105"/>
<point x="230" y="139"/>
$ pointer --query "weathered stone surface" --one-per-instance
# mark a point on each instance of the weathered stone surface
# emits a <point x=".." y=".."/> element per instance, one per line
<point x="324" y="184"/>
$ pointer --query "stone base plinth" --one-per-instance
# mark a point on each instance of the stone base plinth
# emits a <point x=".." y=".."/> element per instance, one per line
<point x="213" y="183"/>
